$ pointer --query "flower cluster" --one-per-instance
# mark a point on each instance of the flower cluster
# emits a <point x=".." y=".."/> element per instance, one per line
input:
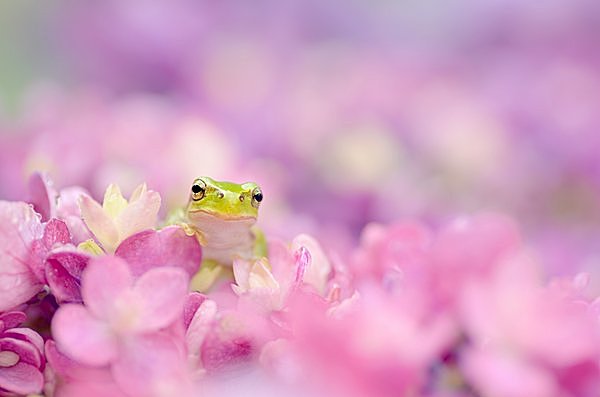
<point x="96" y="300"/>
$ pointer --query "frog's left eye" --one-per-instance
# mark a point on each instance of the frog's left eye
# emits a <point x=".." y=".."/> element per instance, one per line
<point x="198" y="190"/>
<point x="257" y="197"/>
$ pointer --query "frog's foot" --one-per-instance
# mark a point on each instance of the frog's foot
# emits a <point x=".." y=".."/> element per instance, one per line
<point x="209" y="274"/>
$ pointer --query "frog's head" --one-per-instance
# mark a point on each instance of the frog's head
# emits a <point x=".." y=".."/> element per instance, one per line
<point x="224" y="200"/>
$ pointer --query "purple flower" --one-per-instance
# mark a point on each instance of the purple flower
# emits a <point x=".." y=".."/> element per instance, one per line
<point x="21" y="357"/>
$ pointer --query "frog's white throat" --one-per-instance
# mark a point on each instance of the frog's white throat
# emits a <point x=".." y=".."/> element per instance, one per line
<point x="224" y="239"/>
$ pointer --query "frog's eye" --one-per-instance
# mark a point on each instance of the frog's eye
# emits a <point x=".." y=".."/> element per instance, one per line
<point x="257" y="197"/>
<point x="198" y="190"/>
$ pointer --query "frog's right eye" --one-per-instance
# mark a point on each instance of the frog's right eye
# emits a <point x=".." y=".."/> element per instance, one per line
<point x="198" y="190"/>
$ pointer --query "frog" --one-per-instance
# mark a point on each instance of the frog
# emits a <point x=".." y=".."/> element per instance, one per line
<point x="222" y="216"/>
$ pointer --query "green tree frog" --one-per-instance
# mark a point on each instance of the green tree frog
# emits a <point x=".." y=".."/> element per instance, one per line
<point x="222" y="216"/>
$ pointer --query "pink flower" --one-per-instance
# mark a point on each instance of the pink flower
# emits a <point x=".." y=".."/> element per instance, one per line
<point x="19" y="227"/>
<point x="116" y="219"/>
<point x="21" y="357"/>
<point x="117" y="306"/>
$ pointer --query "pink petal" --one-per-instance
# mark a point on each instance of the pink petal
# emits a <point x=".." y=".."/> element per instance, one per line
<point x="19" y="227"/>
<point x="99" y="223"/>
<point x="199" y="328"/>
<point x="148" y="364"/>
<point x="104" y="280"/>
<point x="492" y="373"/>
<point x="56" y="232"/>
<point x="21" y="379"/>
<point x="42" y="195"/>
<point x="64" y="287"/>
<point x="12" y="319"/>
<point x="192" y="303"/>
<point x="318" y="267"/>
<point x="167" y="247"/>
<point x="89" y="388"/>
<point x="68" y="369"/>
<point x="27" y="352"/>
<point x="82" y="337"/>
<point x="30" y="336"/>
<point x="163" y="292"/>
<point x="73" y="261"/>
<point x="139" y="215"/>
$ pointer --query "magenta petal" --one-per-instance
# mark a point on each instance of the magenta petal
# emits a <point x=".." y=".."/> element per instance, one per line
<point x="64" y="287"/>
<point x="167" y="247"/>
<point x="163" y="291"/>
<point x="27" y="352"/>
<point x="104" y="280"/>
<point x="82" y="337"/>
<point x="63" y="274"/>
<point x="29" y="335"/>
<point x="21" y="379"/>
<point x="41" y="195"/>
<point x="12" y="319"/>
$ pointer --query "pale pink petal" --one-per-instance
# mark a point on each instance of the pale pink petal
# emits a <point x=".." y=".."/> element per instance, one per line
<point x="162" y="292"/>
<point x="42" y="195"/>
<point x="19" y="227"/>
<point x="21" y="379"/>
<point x="241" y="274"/>
<point x="150" y="365"/>
<point x="99" y="223"/>
<point x="82" y="337"/>
<point x="319" y="268"/>
<point x="139" y="215"/>
<point x="199" y="327"/>
<point x="167" y="247"/>
<point x="104" y="280"/>
<point x="68" y="202"/>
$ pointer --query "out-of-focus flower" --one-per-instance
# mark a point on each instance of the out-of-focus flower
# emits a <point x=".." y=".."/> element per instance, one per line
<point x="117" y="306"/>
<point x="116" y="219"/>
<point x="22" y="359"/>
<point x="19" y="227"/>
<point x="546" y="342"/>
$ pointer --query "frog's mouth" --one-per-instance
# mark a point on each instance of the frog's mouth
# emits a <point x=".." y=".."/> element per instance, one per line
<point x="200" y="214"/>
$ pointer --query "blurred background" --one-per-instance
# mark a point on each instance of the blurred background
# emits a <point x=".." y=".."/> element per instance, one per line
<point x="345" y="111"/>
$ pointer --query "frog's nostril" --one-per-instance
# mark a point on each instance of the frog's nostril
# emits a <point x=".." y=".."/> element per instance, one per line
<point x="220" y="195"/>
<point x="241" y="197"/>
